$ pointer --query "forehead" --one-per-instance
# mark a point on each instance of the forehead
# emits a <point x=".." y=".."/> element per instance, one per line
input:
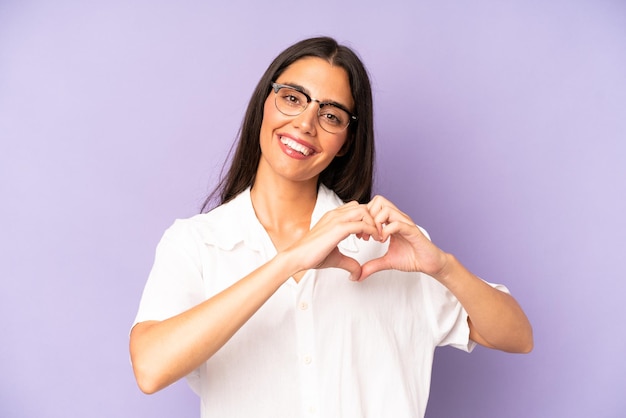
<point x="321" y="80"/>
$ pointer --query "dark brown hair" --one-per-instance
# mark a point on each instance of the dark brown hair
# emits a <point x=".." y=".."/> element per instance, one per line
<point x="349" y="175"/>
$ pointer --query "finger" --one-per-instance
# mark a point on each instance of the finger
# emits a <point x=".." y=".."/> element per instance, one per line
<point x="389" y="214"/>
<point x="352" y="211"/>
<point x="351" y="266"/>
<point x="384" y="212"/>
<point x="375" y="205"/>
<point x="373" y="266"/>
<point x="367" y="217"/>
<point x="362" y="216"/>
<point x="401" y="228"/>
<point x="363" y="236"/>
<point x="349" y="219"/>
<point x="378" y="203"/>
<point x="362" y="230"/>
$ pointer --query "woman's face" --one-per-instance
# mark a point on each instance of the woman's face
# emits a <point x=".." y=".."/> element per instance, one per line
<point x="296" y="148"/>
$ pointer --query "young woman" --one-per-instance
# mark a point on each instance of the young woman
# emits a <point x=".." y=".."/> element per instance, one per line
<point x="284" y="301"/>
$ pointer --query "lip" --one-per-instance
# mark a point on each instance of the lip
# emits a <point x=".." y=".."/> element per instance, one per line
<point x="293" y="153"/>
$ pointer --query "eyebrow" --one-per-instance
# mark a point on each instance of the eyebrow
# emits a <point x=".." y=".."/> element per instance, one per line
<point x="304" y="90"/>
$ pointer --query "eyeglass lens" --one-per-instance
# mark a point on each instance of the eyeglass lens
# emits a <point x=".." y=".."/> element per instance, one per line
<point x="292" y="102"/>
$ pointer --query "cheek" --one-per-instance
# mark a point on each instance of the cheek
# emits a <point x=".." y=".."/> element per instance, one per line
<point x="343" y="149"/>
<point x="341" y="145"/>
<point x="270" y="112"/>
<point x="266" y="123"/>
<point x="271" y="117"/>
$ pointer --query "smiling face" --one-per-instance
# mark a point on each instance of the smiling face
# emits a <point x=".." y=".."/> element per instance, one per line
<point x="296" y="148"/>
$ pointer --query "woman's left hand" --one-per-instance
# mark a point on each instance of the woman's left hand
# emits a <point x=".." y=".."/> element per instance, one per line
<point x="497" y="320"/>
<point x="409" y="249"/>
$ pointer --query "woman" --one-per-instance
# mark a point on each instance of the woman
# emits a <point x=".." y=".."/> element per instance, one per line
<point x="285" y="301"/>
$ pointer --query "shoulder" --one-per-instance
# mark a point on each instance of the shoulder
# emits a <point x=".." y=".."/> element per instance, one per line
<point x="223" y="226"/>
<point x="326" y="200"/>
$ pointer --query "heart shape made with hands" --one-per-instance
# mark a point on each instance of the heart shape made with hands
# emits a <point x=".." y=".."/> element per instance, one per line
<point x="409" y="248"/>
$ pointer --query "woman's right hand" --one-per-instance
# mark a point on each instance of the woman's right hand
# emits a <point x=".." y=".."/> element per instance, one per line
<point x="164" y="351"/>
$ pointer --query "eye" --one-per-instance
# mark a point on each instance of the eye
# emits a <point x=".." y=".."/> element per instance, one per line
<point x="333" y="116"/>
<point x="292" y="98"/>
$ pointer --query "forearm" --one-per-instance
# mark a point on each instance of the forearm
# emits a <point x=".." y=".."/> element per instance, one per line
<point x="496" y="319"/>
<point x="164" y="351"/>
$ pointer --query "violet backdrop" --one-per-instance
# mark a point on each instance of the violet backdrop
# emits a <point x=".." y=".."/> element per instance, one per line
<point x="501" y="128"/>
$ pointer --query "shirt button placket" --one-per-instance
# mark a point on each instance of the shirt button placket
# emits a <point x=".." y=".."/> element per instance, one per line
<point x="306" y="345"/>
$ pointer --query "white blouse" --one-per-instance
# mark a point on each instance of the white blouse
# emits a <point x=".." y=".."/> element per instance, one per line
<point x="322" y="347"/>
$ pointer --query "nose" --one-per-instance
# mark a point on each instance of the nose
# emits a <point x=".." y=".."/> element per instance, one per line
<point x="307" y="120"/>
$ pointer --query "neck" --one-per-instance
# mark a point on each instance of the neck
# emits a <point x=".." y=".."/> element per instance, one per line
<point x="283" y="204"/>
<point x="281" y="207"/>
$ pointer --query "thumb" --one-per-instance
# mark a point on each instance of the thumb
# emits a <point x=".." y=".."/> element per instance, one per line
<point x="338" y="260"/>
<point x="373" y="266"/>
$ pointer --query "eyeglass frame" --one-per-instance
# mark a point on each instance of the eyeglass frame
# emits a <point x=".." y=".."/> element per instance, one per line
<point x="277" y="86"/>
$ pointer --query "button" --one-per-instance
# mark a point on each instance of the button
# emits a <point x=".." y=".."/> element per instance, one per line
<point x="303" y="306"/>
<point x="307" y="359"/>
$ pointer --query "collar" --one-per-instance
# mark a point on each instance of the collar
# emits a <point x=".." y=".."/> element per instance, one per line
<point x="235" y="222"/>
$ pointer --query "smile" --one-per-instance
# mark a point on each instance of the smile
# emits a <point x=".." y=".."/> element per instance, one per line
<point x="296" y="146"/>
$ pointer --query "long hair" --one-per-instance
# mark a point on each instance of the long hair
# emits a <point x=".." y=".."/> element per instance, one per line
<point x="350" y="176"/>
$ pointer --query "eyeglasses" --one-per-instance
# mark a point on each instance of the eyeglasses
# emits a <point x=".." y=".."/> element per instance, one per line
<point x="291" y="101"/>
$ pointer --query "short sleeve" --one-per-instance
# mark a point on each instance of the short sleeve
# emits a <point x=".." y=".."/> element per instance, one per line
<point x="175" y="281"/>
<point x="449" y="318"/>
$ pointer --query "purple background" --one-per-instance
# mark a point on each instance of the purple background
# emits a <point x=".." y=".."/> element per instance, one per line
<point x="501" y="129"/>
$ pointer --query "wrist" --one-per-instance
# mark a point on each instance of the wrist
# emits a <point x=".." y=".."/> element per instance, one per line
<point x="445" y="274"/>
<point x="286" y="265"/>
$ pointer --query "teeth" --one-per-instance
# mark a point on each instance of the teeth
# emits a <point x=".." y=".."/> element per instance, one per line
<point x="295" y="146"/>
